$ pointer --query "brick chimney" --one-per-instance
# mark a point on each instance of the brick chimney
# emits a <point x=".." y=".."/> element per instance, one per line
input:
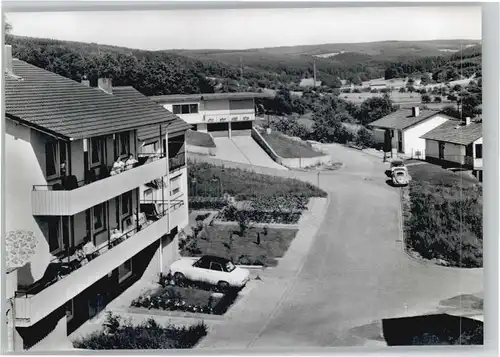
<point x="415" y="111"/>
<point x="467" y="121"/>
<point x="8" y="59"/>
<point x="105" y="85"/>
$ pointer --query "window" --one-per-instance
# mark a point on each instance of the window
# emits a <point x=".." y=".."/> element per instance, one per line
<point x="216" y="266"/>
<point x="70" y="310"/>
<point x="126" y="204"/>
<point x="185" y="108"/>
<point x="175" y="186"/>
<point x="51" y="159"/>
<point x="124" y="143"/>
<point x="203" y="263"/>
<point x="125" y="270"/>
<point x="100" y="217"/>
<point x="55" y="234"/>
<point x="96" y="151"/>
<point x="479" y="151"/>
<point x="193" y="108"/>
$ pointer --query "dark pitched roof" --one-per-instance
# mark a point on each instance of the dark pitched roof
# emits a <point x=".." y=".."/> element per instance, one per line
<point x="175" y="126"/>
<point x="403" y="118"/>
<point x="454" y="131"/>
<point x="179" y="98"/>
<point x="70" y="109"/>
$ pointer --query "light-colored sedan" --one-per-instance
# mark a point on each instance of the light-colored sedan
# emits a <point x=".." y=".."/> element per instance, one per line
<point x="400" y="176"/>
<point x="210" y="269"/>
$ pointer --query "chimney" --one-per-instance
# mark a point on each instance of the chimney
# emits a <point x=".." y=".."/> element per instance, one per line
<point x="8" y="59"/>
<point x="85" y="81"/>
<point x="416" y="111"/>
<point x="105" y="85"/>
<point x="467" y="121"/>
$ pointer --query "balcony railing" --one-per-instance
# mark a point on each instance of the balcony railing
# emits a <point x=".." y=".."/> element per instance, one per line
<point x="89" y="268"/>
<point x="70" y="196"/>
<point x="177" y="161"/>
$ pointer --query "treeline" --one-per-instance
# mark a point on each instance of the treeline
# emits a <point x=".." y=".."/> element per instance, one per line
<point x="463" y="64"/>
<point x="152" y="73"/>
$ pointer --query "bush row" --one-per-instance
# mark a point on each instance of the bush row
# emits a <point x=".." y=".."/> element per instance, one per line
<point x="258" y="216"/>
<point x="207" y="203"/>
<point x="148" y="335"/>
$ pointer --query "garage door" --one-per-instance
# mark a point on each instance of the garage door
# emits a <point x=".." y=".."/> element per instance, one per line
<point x="241" y="128"/>
<point x="218" y="129"/>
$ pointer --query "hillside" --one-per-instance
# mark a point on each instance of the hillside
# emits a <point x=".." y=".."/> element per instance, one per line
<point x="195" y="71"/>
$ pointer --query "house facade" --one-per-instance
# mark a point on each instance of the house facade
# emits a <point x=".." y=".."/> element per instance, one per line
<point x="457" y="144"/>
<point x="80" y="229"/>
<point x="401" y="131"/>
<point x="220" y="114"/>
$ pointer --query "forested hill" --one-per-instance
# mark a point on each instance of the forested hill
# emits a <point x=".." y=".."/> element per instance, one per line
<point x="181" y="71"/>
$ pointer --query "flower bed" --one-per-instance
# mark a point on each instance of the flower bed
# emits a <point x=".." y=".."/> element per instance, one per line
<point x="207" y="203"/>
<point x="148" y="335"/>
<point x="188" y="299"/>
<point x="258" y="216"/>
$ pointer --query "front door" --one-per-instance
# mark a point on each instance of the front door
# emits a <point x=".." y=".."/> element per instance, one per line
<point x="400" y="141"/>
<point x="441" y="151"/>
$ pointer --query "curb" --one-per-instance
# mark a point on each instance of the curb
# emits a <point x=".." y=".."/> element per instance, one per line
<point x="174" y="314"/>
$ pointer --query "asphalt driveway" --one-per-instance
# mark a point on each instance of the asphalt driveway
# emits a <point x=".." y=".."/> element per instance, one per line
<point x="355" y="273"/>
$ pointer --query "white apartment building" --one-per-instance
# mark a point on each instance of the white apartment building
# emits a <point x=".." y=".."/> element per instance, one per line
<point x="82" y="227"/>
<point x="220" y="114"/>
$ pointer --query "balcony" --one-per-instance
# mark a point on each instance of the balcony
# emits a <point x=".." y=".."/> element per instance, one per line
<point x="67" y="277"/>
<point x="176" y="162"/>
<point x="54" y="200"/>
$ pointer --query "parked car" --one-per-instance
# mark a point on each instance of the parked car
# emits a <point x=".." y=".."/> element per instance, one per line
<point x="210" y="269"/>
<point x="397" y="163"/>
<point x="400" y="176"/>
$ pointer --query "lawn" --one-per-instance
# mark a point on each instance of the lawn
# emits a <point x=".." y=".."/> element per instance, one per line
<point x="289" y="148"/>
<point x="225" y="241"/>
<point x="209" y="180"/>
<point x="197" y="138"/>
<point x="119" y="335"/>
<point x="436" y="175"/>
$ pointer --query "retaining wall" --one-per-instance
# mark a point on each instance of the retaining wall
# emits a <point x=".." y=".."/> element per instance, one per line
<point x="201" y="150"/>
<point x="300" y="162"/>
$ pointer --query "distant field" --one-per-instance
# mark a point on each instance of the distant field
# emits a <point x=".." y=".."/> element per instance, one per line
<point x="398" y="98"/>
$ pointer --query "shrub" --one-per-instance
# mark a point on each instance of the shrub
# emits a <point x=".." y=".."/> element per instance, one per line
<point x="208" y="203"/>
<point x="446" y="223"/>
<point x="202" y="217"/>
<point x="147" y="335"/>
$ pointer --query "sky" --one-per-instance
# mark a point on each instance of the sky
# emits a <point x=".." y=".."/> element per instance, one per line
<point x="251" y="28"/>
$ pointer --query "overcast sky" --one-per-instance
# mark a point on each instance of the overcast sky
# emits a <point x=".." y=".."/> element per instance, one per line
<point x="250" y="28"/>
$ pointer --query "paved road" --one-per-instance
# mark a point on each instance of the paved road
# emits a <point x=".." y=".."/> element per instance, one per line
<point x="356" y="272"/>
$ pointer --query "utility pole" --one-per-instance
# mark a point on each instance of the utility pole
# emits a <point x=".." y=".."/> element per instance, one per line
<point x="241" y="68"/>
<point x="314" y="72"/>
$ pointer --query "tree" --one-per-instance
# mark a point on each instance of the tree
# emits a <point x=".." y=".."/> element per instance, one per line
<point x="438" y="99"/>
<point x="402" y="90"/>
<point x="426" y="98"/>
<point x="375" y="108"/>
<point x="391" y="73"/>
<point x="425" y="79"/>
<point x="7" y="25"/>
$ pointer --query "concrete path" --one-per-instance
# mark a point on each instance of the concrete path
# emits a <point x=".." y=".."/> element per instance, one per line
<point x="243" y="149"/>
<point x="354" y="274"/>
